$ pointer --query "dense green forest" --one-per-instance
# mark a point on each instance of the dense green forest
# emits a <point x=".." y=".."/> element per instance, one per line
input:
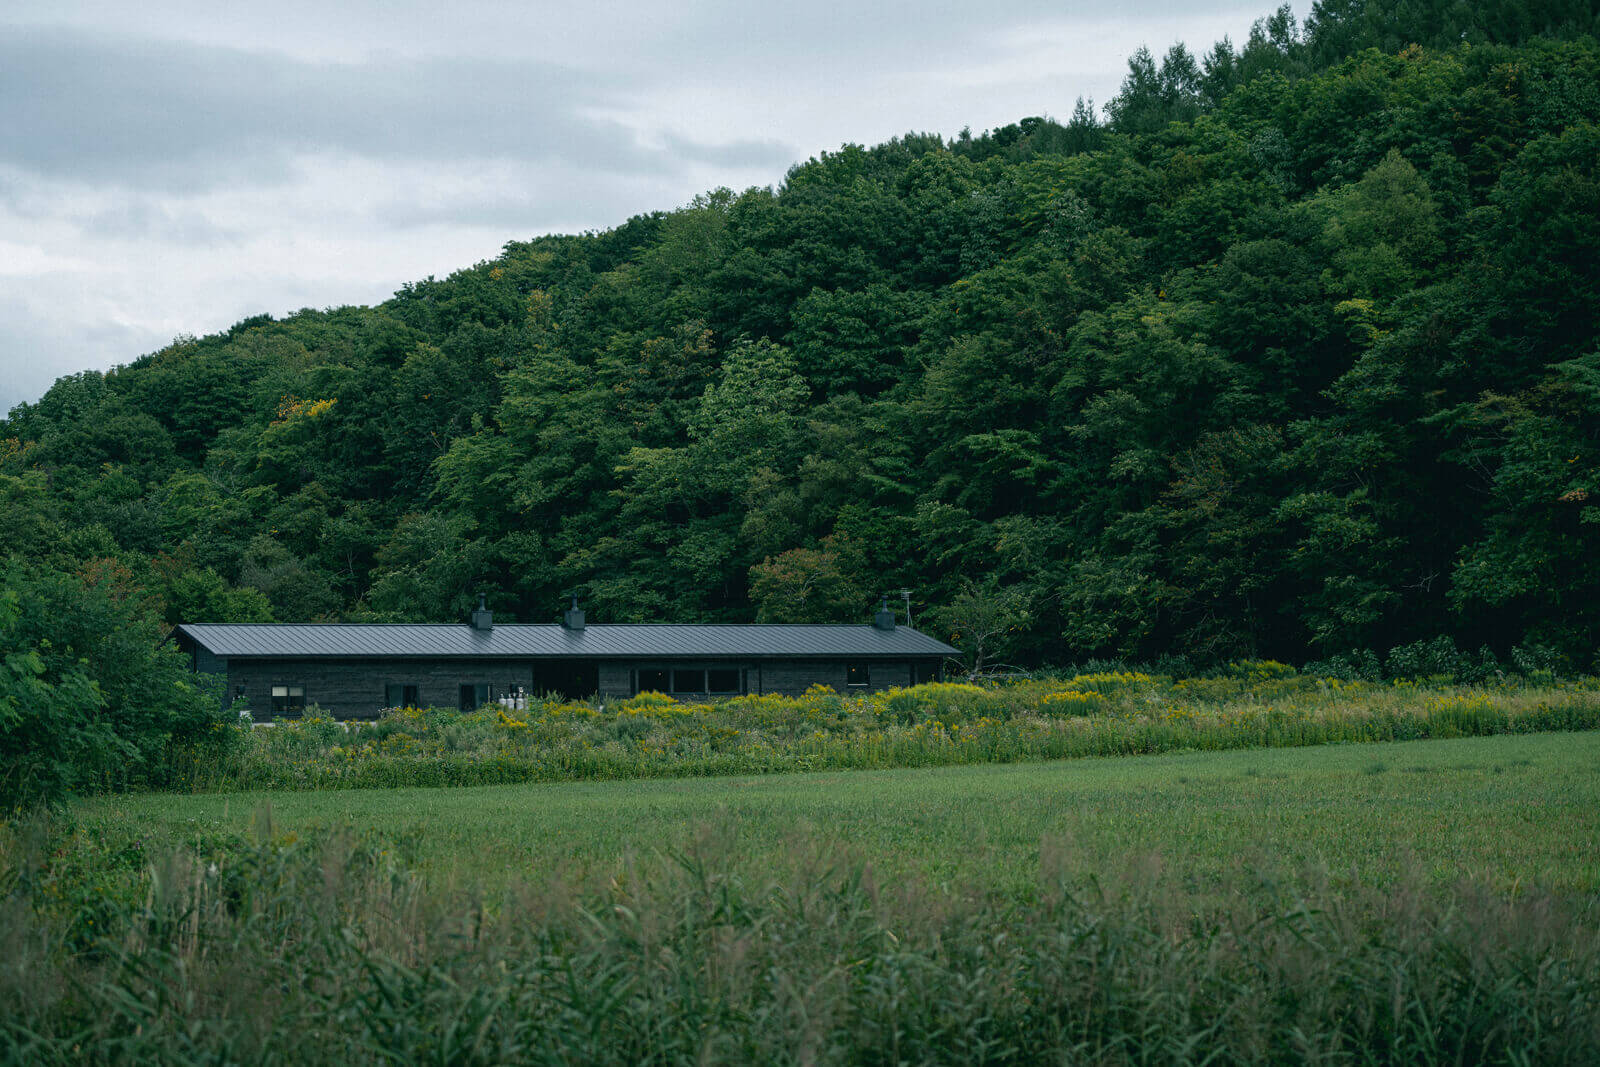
<point x="1292" y="350"/>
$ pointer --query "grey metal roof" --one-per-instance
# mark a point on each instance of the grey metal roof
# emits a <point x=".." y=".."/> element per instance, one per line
<point x="599" y="640"/>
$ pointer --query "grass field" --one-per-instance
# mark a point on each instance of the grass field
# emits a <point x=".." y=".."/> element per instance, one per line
<point x="1507" y="812"/>
<point x="1428" y="901"/>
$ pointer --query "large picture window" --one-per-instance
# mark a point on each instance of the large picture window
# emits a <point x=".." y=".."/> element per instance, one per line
<point x="475" y="695"/>
<point x="288" y="699"/>
<point x="722" y="680"/>
<point x="688" y="680"/>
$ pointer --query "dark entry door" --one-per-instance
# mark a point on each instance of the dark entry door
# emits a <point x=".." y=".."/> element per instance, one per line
<point x="569" y="679"/>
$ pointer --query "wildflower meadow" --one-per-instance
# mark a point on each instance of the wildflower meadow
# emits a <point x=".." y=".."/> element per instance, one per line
<point x="1104" y="713"/>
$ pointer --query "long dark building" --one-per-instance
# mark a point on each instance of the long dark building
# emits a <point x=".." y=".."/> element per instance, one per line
<point x="356" y="670"/>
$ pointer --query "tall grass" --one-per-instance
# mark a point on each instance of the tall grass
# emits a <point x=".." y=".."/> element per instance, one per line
<point x="1101" y="714"/>
<point x="331" y="949"/>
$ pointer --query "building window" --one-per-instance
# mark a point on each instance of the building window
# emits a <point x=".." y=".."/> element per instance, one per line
<point x="856" y="674"/>
<point x="288" y="699"/>
<point x="653" y="679"/>
<point x="475" y="695"/>
<point x="399" y="695"/>
<point x="720" y="680"/>
<point x="686" y="680"/>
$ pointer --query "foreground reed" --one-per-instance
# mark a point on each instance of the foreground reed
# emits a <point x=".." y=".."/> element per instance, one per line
<point x="333" y="949"/>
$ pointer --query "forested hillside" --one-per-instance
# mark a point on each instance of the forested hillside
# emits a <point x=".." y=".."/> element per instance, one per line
<point x="1292" y="351"/>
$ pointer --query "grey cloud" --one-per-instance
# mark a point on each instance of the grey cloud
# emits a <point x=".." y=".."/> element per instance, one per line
<point x="36" y="349"/>
<point x="143" y="219"/>
<point x="516" y="216"/>
<point x="764" y="155"/>
<point x="897" y="29"/>
<point x="901" y="27"/>
<point x="117" y="110"/>
<point x="554" y="200"/>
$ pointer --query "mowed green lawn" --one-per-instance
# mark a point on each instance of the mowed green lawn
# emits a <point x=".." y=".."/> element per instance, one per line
<point x="1512" y="812"/>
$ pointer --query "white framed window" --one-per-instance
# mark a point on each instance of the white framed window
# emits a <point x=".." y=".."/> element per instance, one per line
<point x="288" y="699"/>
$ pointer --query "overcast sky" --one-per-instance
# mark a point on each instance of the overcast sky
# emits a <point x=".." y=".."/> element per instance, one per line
<point x="173" y="166"/>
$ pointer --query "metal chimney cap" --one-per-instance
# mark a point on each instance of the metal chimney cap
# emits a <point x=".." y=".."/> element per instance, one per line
<point x="482" y="618"/>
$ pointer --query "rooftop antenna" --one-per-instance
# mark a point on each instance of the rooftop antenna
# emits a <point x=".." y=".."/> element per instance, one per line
<point x="905" y="594"/>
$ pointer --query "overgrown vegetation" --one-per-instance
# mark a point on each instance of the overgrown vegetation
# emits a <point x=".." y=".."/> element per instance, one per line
<point x="1102" y="714"/>
<point x="90" y="698"/>
<point x="330" y="948"/>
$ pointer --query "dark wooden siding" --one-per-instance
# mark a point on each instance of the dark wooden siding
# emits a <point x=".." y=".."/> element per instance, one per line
<point x="616" y="679"/>
<point x="206" y="663"/>
<point x="355" y="688"/>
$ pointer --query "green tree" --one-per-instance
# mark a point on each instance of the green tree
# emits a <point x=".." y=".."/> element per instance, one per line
<point x="90" y="696"/>
<point x="983" y="621"/>
<point x="806" y="585"/>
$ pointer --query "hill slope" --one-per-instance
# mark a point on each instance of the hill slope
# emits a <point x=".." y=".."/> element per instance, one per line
<point x="1296" y="357"/>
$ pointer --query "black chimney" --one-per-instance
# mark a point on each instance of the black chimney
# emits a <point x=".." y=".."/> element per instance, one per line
<point x="483" y="618"/>
<point x="884" y="620"/>
<point x="573" y="618"/>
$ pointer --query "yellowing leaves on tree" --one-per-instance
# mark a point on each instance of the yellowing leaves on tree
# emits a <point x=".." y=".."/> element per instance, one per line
<point x="291" y="408"/>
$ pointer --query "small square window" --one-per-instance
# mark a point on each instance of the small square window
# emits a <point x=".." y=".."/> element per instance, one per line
<point x="652" y="680"/>
<point x="288" y="699"/>
<point x="722" y="681"/>
<point x="475" y="695"/>
<point x="857" y="674"/>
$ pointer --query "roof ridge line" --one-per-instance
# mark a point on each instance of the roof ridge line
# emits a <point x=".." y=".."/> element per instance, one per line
<point x="592" y="625"/>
